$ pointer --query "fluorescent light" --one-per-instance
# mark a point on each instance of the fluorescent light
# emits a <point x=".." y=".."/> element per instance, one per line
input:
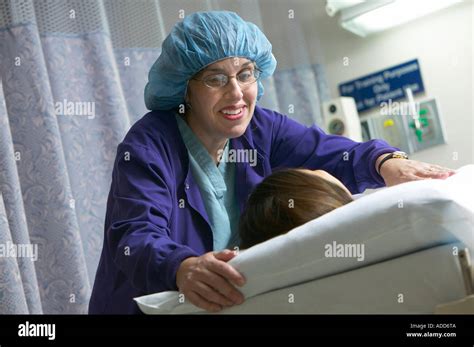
<point x="378" y="15"/>
<point x="334" y="6"/>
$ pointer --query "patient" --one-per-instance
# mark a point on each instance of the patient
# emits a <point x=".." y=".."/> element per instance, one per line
<point x="287" y="199"/>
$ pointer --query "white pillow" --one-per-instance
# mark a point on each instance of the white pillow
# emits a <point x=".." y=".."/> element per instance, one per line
<point x="389" y="223"/>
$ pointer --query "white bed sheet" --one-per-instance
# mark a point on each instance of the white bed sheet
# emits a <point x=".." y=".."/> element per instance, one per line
<point x="414" y="283"/>
<point x="390" y="223"/>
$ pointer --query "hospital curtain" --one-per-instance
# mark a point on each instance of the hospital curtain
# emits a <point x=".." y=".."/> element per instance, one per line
<point x="72" y="74"/>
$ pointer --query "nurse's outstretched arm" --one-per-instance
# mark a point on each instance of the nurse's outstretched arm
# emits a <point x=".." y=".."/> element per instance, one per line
<point x="209" y="282"/>
<point x="353" y="163"/>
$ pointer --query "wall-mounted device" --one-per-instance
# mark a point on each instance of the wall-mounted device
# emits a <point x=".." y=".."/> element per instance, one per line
<point x="389" y="128"/>
<point x="341" y="118"/>
<point x="427" y="129"/>
<point x="411" y="128"/>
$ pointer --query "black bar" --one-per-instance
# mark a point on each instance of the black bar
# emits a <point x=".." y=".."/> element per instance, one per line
<point x="389" y="328"/>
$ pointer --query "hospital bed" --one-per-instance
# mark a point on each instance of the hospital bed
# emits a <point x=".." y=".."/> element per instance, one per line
<point x="417" y="238"/>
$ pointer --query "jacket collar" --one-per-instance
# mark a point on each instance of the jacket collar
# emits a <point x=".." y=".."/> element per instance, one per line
<point x="246" y="176"/>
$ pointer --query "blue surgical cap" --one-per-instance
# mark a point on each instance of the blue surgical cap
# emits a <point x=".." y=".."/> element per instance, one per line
<point x="201" y="39"/>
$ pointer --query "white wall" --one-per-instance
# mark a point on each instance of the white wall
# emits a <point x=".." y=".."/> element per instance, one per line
<point x="443" y="44"/>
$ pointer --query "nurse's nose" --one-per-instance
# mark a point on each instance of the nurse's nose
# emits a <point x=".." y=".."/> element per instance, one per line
<point x="233" y="88"/>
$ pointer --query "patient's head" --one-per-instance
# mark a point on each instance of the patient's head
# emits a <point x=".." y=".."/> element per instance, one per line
<point x="287" y="199"/>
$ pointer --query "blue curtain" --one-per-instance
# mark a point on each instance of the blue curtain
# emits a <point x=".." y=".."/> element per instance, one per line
<point x="72" y="74"/>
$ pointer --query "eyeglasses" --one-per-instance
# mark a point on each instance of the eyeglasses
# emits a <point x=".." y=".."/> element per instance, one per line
<point x="244" y="78"/>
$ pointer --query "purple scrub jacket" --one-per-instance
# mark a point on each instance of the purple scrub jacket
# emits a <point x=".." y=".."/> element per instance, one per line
<point x="156" y="217"/>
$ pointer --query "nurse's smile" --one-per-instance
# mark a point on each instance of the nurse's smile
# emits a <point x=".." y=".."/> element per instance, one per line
<point x="234" y="113"/>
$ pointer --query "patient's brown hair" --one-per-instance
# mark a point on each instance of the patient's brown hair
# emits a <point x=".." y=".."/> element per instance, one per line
<point x="287" y="199"/>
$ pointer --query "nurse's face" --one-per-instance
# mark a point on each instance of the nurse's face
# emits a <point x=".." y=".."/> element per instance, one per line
<point x="218" y="114"/>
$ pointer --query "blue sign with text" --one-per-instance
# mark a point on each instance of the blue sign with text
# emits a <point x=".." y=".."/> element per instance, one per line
<point x="389" y="84"/>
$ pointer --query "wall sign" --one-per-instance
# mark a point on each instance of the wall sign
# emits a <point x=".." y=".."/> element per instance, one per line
<point x="389" y="84"/>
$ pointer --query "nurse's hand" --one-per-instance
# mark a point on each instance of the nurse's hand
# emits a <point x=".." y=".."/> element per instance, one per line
<point x="396" y="171"/>
<point x="209" y="282"/>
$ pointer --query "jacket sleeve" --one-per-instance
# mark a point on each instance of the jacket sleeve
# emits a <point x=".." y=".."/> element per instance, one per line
<point x="295" y="145"/>
<point x="138" y="219"/>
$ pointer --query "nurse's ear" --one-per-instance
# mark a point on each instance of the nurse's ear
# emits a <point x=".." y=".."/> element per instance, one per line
<point x="186" y="100"/>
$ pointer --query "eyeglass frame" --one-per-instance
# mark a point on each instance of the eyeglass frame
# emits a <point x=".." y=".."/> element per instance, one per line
<point x="255" y="70"/>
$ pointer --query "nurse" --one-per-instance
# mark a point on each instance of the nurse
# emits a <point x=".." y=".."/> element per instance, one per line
<point x="177" y="193"/>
